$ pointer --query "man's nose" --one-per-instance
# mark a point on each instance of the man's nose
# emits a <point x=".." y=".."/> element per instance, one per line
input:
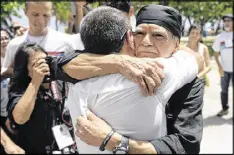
<point x="41" y="20"/>
<point x="146" y="40"/>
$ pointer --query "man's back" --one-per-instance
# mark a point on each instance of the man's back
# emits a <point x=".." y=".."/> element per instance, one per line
<point x="119" y="101"/>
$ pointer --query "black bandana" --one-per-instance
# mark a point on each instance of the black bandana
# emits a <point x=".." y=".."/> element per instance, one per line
<point x="164" y="16"/>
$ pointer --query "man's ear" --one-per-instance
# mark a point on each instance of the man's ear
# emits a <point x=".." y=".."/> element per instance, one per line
<point x="131" y="11"/>
<point x="129" y="39"/>
<point x="177" y="46"/>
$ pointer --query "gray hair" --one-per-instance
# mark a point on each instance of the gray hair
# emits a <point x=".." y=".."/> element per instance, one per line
<point x="103" y="30"/>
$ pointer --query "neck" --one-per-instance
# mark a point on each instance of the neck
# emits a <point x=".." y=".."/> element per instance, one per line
<point x="37" y="33"/>
<point x="192" y="44"/>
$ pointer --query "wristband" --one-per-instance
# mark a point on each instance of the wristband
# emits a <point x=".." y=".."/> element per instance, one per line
<point x="106" y="140"/>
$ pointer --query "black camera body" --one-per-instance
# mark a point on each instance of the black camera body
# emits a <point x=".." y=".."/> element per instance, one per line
<point x="48" y="78"/>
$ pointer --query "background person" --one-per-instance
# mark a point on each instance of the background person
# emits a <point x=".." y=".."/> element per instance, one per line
<point x="190" y="96"/>
<point x="194" y="42"/>
<point x="32" y="110"/>
<point x="55" y="43"/>
<point x="223" y="47"/>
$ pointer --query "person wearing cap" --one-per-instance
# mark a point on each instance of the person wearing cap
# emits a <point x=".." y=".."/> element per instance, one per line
<point x="94" y="130"/>
<point x="223" y="47"/>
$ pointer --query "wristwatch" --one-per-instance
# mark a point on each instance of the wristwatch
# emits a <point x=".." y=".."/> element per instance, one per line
<point x="123" y="147"/>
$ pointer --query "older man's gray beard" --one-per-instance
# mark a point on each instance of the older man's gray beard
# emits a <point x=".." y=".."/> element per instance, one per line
<point x="227" y="29"/>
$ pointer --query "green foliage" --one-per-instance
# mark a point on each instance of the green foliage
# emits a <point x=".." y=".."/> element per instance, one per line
<point x="61" y="10"/>
<point x="202" y="12"/>
<point x="137" y="5"/>
<point x="10" y="8"/>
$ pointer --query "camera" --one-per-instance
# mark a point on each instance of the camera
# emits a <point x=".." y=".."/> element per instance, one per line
<point x="48" y="78"/>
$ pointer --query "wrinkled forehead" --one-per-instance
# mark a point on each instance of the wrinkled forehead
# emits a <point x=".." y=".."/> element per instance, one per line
<point x="151" y="28"/>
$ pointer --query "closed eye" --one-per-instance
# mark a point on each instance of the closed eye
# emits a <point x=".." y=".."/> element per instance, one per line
<point x="158" y="36"/>
<point x="35" y="14"/>
<point x="139" y="33"/>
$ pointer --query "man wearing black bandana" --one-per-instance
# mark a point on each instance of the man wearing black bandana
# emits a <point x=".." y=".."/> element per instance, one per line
<point x="159" y="27"/>
<point x="184" y="118"/>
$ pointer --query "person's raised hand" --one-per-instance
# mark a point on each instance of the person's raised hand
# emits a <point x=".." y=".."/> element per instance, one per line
<point x="92" y="130"/>
<point x="39" y="70"/>
<point x="148" y="73"/>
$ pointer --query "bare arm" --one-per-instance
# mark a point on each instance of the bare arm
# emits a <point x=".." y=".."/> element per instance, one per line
<point x="25" y="106"/>
<point x="135" y="146"/>
<point x="200" y="61"/>
<point x="9" y="146"/>
<point x="207" y="67"/>
<point x="216" y="54"/>
<point x="148" y="73"/>
<point x="70" y="24"/>
<point x="90" y="65"/>
<point x="79" y="14"/>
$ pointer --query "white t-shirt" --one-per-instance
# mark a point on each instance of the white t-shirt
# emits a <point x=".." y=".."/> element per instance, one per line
<point x="120" y="103"/>
<point x="54" y="43"/>
<point x="224" y="45"/>
<point x="76" y="42"/>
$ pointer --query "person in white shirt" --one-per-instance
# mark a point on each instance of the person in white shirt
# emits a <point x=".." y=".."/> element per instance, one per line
<point x="117" y="100"/>
<point x="55" y="43"/>
<point x="223" y="47"/>
<point x="5" y="38"/>
<point x="6" y="143"/>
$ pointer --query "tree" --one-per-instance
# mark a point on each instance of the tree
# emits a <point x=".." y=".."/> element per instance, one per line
<point x="8" y="9"/>
<point x="61" y="10"/>
<point x="203" y="12"/>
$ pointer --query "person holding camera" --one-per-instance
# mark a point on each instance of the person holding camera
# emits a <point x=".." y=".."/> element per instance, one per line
<point x="32" y="109"/>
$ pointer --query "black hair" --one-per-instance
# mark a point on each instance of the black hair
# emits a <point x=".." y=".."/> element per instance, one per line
<point x="8" y="33"/>
<point x="21" y="79"/>
<point x="194" y="26"/>
<point x="122" y="5"/>
<point x="103" y="30"/>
